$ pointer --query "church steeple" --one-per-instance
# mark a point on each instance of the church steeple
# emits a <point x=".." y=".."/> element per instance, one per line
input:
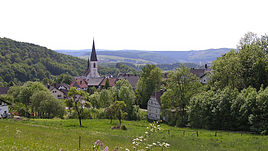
<point x="88" y="63"/>
<point x="93" y="56"/>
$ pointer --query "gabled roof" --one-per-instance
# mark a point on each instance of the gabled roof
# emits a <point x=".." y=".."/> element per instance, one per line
<point x="61" y="84"/>
<point x="79" y="83"/>
<point x="157" y="96"/>
<point x="111" y="81"/>
<point x="132" y="79"/>
<point x="95" y="81"/>
<point x="65" y="92"/>
<point x="198" y="72"/>
<point x="93" y="56"/>
<point x="4" y="90"/>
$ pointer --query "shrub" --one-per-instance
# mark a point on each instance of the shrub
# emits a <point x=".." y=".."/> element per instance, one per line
<point x="123" y="127"/>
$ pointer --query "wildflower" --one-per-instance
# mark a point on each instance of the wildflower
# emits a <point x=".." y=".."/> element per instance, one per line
<point x="127" y="149"/>
<point x="106" y="148"/>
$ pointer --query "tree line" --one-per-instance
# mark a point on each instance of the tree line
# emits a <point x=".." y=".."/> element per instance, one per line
<point x="234" y="99"/>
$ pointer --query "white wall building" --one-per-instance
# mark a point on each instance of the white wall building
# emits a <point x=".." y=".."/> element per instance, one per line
<point x="3" y="108"/>
<point x="154" y="107"/>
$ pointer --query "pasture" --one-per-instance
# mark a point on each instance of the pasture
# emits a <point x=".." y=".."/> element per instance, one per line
<point x="53" y="134"/>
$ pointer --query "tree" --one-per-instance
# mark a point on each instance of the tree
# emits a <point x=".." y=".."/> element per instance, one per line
<point x="123" y="91"/>
<point x="110" y="113"/>
<point x="118" y="108"/>
<point x="105" y="98"/>
<point x="148" y="83"/>
<point x="107" y="85"/>
<point x="181" y="86"/>
<point x="45" y="105"/>
<point x="64" y="78"/>
<point x="27" y="90"/>
<point x="243" y="68"/>
<point x="258" y="118"/>
<point x="79" y="98"/>
<point x="95" y="100"/>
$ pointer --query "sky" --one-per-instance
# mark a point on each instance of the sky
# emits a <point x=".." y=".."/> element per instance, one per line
<point x="173" y="25"/>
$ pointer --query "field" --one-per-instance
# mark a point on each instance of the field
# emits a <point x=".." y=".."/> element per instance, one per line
<point x="53" y="134"/>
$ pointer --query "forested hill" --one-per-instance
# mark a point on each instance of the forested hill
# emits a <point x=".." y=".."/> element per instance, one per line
<point x="22" y="62"/>
<point x="151" y="57"/>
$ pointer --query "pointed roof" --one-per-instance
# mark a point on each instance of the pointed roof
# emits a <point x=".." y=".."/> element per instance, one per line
<point x="93" y="56"/>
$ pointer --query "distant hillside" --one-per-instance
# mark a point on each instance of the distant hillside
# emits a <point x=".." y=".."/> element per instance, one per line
<point x="200" y="56"/>
<point x="155" y="57"/>
<point x="21" y="61"/>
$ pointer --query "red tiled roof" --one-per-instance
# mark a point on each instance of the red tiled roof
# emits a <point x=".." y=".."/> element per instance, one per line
<point x="80" y="83"/>
<point x="111" y="81"/>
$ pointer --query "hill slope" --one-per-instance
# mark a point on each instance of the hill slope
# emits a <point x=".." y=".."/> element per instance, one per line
<point x="21" y="61"/>
<point x="155" y="57"/>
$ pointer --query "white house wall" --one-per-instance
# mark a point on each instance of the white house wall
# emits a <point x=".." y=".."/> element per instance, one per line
<point x="3" y="109"/>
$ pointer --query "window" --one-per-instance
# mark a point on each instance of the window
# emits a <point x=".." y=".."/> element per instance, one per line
<point x="94" y="65"/>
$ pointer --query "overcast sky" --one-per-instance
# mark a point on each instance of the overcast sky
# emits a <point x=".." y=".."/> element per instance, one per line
<point x="132" y="24"/>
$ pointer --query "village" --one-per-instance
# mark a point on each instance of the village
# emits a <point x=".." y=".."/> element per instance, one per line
<point x="91" y="79"/>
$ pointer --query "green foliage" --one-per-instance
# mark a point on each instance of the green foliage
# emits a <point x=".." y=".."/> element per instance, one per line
<point x="123" y="127"/>
<point x="79" y="99"/>
<point x="181" y="86"/>
<point x="118" y="108"/>
<point x="123" y="91"/>
<point x="45" y="105"/>
<point x="105" y="98"/>
<point x="148" y="83"/>
<point x="64" y="78"/>
<point x="107" y="85"/>
<point x="246" y="67"/>
<point x="116" y="68"/>
<point x="21" y="62"/>
<point x="34" y="97"/>
<point x="258" y="118"/>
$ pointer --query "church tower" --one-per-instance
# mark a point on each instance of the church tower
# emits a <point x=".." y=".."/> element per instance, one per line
<point x="92" y="71"/>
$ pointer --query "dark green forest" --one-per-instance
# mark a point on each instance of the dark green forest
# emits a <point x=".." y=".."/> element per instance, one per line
<point x="22" y="62"/>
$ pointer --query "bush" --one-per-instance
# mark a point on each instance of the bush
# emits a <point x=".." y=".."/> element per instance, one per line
<point x="123" y="127"/>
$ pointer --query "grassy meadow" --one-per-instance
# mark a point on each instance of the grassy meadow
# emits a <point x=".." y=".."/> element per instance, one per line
<point x="53" y="134"/>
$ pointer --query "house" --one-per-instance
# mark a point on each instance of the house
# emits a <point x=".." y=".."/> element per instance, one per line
<point x="4" y="109"/>
<point x="111" y="80"/>
<point x="58" y="93"/>
<point x="61" y="86"/>
<point x="202" y="73"/>
<point x="154" y="106"/>
<point x="95" y="82"/>
<point x="80" y="84"/>
<point x="132" y="79"/>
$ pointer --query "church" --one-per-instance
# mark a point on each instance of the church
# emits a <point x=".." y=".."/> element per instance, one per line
<point x="92" y="66"/>
<point x="91" y="76"/>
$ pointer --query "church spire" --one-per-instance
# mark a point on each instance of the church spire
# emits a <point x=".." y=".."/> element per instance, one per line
<point x="88" y="64"/>
<point x="93" y="56"/>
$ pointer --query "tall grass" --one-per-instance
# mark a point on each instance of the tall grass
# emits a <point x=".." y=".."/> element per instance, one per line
<point x="53" y="134"/>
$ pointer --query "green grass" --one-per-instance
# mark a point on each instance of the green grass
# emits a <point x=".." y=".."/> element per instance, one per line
<point x="53" y="134"/>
